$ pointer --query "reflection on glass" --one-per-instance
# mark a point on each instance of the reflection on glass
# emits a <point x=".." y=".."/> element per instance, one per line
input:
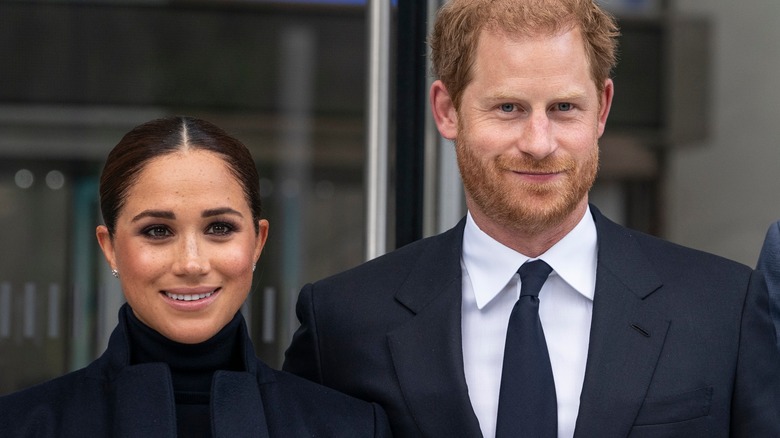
<point x="288" y="80"/>
<point x="24" y="179"/>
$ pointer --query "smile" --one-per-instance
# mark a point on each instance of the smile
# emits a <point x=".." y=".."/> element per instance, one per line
<point x="536" y="173"/>
<point x="538" y="176"/>
<point x="188" y="297"/>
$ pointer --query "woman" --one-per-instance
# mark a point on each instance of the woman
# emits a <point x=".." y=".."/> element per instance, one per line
<point x="182" y="235"/>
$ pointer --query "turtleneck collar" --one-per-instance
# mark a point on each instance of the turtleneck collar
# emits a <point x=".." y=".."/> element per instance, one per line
<point x="192" y="365"/>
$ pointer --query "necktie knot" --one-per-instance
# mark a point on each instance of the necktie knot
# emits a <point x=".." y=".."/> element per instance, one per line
<point x="532" y="277"/>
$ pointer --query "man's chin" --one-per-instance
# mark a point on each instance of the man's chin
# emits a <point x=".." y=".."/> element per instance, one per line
<point x="537" y="217"/>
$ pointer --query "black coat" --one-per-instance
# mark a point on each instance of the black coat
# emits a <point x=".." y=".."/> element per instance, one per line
<point x="111" y="398"/>
<point x="769" y="262"/>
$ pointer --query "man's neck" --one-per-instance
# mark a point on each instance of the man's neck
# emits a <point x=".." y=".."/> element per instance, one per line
<point x="530" y="243"/>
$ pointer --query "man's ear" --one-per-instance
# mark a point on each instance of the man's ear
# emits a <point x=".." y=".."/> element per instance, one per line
<point x="605" y="103"/>
<point x="444" y="112"/>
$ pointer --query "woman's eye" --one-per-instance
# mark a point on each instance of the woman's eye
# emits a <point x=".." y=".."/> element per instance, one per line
<point x="507" y="107"/>
<point x="157" y="231"/>
<point x="564" y="106"/>
<point x="220" y="229"/>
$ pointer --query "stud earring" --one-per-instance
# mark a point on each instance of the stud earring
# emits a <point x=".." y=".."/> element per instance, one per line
<point x="254" y="265"/>
<point x="115" y="273"/>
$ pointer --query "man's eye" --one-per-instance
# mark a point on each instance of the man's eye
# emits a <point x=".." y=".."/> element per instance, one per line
<point x="564" y="106"/>
<point x="507" y="107"/>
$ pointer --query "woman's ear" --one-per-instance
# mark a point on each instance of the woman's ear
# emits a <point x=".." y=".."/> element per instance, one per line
<point x="262" y="237"/>
<point x="106" y="245"/>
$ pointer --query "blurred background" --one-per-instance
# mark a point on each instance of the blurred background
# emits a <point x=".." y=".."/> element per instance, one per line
<point x="689" y="153"/>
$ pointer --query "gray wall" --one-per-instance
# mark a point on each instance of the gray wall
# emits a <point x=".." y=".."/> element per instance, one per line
<point x="722" y="194"/>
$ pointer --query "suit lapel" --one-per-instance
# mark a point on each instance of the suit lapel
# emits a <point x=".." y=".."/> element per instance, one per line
<point x="626" y="336"/>
<point x="625" y="342"/>
<point x="426" y="351"/>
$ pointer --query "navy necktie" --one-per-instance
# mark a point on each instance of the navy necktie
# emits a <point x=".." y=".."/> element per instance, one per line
<point x="527" y="404"/>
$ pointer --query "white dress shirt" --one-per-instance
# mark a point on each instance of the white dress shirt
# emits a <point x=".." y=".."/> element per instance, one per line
<point x="491" y="286"/>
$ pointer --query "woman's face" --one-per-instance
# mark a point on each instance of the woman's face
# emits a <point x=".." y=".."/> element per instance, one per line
<point x="185" y="245"/>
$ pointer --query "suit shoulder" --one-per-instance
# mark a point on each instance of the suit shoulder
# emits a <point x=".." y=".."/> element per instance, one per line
<point x="391" y="268"/>
<point x="631" y="252"/>
<point x="673" y="260"/>
<point x="306" y="391"/>
<point x="294" y="401"/>
<point x="677" y="251"/>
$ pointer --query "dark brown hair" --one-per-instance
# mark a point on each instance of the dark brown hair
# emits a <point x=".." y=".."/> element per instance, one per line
<point x="164" y="136"/>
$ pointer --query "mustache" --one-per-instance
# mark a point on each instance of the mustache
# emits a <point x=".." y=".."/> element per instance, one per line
<point x="527" y="164"/>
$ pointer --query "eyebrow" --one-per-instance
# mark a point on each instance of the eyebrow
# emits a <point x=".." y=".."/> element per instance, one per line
<point x="165" y="214"/>
<point x="162" y="214"/>
<point x="220" y="211"/>
<point x="572" y="94"/>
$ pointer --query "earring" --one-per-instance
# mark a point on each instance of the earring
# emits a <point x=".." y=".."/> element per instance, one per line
<point x="115" y="273"/>
<point x="254" y="265"/>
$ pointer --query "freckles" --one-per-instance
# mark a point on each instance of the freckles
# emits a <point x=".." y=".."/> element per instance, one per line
<point x="150" y="263"/>
<point x="235" y="262"/>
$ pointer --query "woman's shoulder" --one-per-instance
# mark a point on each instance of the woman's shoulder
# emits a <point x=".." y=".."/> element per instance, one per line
<point x="43" y="406"/>
<point x="44" y="391"/>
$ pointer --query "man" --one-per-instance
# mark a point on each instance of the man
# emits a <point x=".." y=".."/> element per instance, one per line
<point x="643" y="337"/>
<point x="769" y="262"/>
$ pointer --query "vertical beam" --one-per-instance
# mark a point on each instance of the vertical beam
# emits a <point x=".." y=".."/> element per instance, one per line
<point x="297" y="67"/>
<point x="412" y="107"/>
<point x="378" y="121"/>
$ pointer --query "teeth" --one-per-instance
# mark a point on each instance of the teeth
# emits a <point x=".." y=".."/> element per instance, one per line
<point x="189" y="297"/>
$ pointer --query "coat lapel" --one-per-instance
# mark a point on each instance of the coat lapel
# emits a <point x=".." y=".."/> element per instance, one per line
<point x="426" y="351"/>
<point x="236" y="406"/>
<point x="143" y="402"/>
<point x="143" y="398"/>
<point x="626" y="336"/>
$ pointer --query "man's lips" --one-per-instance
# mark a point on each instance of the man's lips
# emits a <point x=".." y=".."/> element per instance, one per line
<point x="536" y="174"/>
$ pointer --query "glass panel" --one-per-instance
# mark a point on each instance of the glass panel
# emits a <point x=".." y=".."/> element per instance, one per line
<point x="287" y="79"/>
<point x="33" y="290"/>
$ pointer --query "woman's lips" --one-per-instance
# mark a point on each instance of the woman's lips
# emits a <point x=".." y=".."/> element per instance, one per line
<point x="188" y="297"/>
<point x="190" y="294"/>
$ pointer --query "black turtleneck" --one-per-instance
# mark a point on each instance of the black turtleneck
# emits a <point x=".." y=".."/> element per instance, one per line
<point x="192" y="367"/>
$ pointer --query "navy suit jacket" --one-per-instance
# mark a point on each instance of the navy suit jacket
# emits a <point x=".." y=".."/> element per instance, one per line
<point x="112" y="398"/>
<point x="681" y="342"/>
<point x="769" y="263"/>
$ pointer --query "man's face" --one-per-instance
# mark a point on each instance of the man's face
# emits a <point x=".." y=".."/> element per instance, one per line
<point x="527" y="130"/>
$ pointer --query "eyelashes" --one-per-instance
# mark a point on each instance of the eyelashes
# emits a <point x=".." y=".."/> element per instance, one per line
<point x="222" y="228"/>
<point x="156" y="232"/>
<point x="218" y="229"/>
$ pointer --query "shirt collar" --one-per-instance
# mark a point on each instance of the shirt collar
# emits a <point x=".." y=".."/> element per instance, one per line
<point x="491" y="265"/>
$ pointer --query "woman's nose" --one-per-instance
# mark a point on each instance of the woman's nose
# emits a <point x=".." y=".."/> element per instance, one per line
<point x="191" y="259"/>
